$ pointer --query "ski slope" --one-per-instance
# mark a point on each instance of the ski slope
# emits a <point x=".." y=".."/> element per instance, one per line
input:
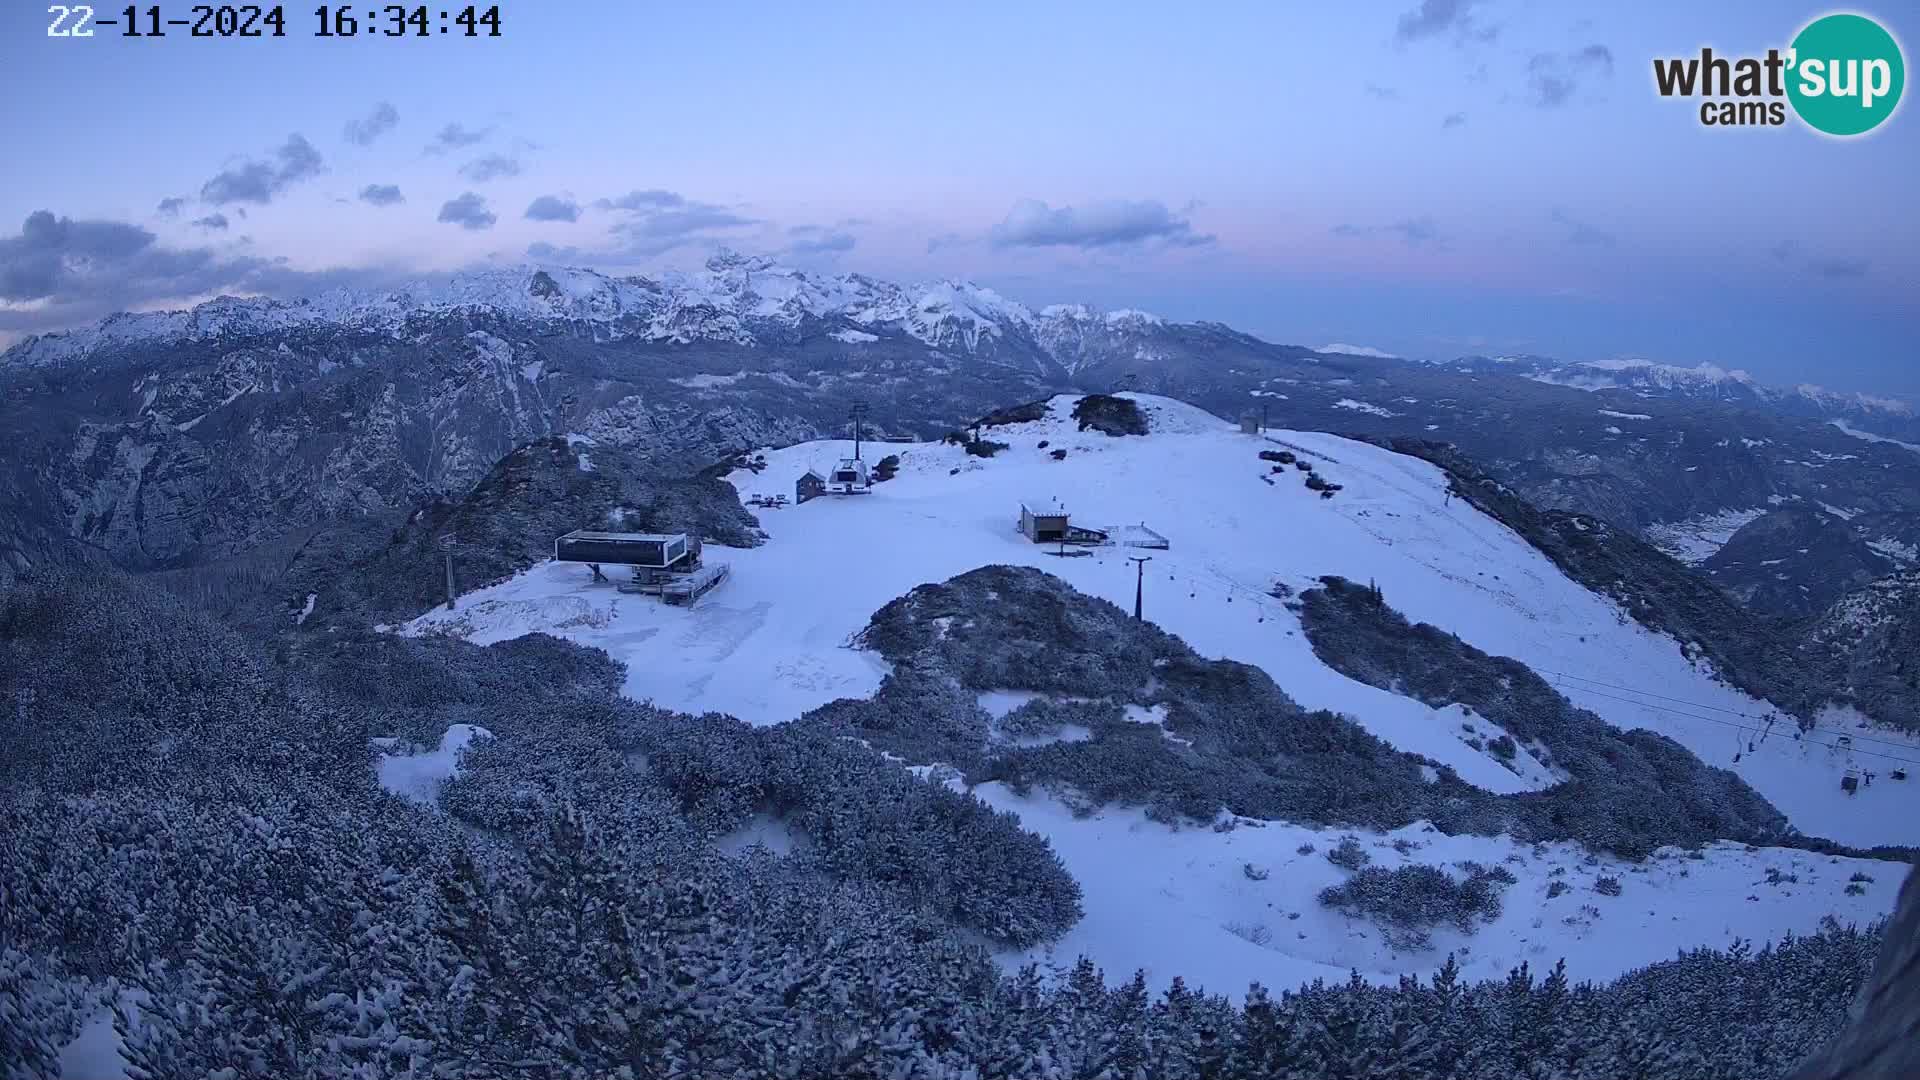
<point x="773" y="643"/>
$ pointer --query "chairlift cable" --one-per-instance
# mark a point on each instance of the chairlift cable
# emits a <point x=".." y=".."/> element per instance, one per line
<point x="1729" y="723"/>
<point x="1714" y="708"/>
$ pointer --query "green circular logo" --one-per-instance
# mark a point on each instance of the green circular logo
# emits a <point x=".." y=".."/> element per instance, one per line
<point x="1846" y="74"/>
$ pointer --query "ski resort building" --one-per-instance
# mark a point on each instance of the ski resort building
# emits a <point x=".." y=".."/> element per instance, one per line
<point x="667" y="565"/>
<point x="850" y="476"/>
<point x="1044" y="521"/>
<point x="811" y="485"/>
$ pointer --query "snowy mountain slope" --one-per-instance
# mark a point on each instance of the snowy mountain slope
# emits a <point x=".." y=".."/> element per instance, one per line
<point x="774" y="641"/>
<point x="1234" y="537"/>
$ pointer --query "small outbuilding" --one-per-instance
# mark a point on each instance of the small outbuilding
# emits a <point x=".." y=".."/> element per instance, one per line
<point x="1249" y="424"/>
<point x="1044" y="521"/>
<point x="810" y="485"/>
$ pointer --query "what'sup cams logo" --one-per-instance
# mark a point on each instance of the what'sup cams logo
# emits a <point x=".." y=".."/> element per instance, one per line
<point x="1842" y="76"/>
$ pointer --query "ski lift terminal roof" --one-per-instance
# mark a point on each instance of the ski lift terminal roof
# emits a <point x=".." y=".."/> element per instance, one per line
<point x="583" y="534"/>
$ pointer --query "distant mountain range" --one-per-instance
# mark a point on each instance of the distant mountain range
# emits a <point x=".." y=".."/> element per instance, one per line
<point x="1703" y="382"/>
<point x="160" y="439"/>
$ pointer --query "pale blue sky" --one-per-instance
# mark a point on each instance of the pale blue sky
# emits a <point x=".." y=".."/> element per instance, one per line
<point x="1283" y="167"/>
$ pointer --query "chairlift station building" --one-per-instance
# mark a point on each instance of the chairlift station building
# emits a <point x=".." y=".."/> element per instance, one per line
<point x="666" y="565"/>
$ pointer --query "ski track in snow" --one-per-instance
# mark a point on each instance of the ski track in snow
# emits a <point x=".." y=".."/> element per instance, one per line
<point x="773" y="642"/>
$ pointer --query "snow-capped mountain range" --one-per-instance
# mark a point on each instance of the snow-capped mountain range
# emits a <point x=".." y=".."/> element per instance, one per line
<point x="735" y="299"/>
<point x="1702" y="381"/>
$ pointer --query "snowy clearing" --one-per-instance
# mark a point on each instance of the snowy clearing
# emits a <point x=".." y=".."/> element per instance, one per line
<point x="419" y="776"/>
<point x="1695" y="540"/>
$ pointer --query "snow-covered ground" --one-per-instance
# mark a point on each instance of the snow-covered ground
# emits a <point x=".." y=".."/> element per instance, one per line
<point x="773" y="642"/>
<point x="1185" y="902"/>
<point x="1696" y="539"/>
<point x="418" y="776"/>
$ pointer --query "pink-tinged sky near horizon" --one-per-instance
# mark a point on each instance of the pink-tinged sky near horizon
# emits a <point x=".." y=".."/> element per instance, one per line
<point x="1430" y="177"/>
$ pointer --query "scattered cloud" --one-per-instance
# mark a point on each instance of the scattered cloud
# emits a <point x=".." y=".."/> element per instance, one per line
<point x="58" y="272"/>
<point x="553" y="208"/>
<point x="1833" y="267"/>
<point x="655" y="221"/>
<point x="1580" y="232"/>
<point x="491" y="167"/>
<point x="1452" y="19"/>
<point x="170" y="207"/>
<point x="541" y="251"/>
<point x="819" y="239"/>
<point x="259" y="181"/>
<point x="362" y="131"/>
<point x="214" y="220"/>
<point x="469" y="211"/>
<point x="1032" y="223"/>
<point x="454" y="136"/>
<point x="1453" y="120"/>
<point x="649" y="199"/>
<point x="382" y="194"/>
<point x="1414" y="232"/>
<point x="1384" y="93"/>
<point x="1838" y="268"/>
<point x="1554" y="78"/>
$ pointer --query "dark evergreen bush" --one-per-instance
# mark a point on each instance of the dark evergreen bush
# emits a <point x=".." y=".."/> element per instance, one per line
<point x="1109" y="414"/>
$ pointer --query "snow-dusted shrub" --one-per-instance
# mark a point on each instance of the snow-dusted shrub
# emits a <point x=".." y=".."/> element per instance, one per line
<point x="984" y="447"/>
<point x="1349" y="855"/>
<point x="1607" y="885"/>
<point x="1417" y="898"/>
<point x="886" y="467"/>
<point x="1556" y="888"/>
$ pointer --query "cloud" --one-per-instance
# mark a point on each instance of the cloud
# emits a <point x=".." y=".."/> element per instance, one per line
<point x="469" y="211"/>
<point x="1832" y="267"/>
<point x="1032" y="223"/>
<point x="170" y="207"/>
<point x="553" y="208"/>
<point x="1838" y="268"/>
<point x="1453" y="120"/>
<point x="1443" y="18"/>
<point x="362" y="131"/>
<point x="58" y="272"/>
<point x="1384" y="93"/>
<point x="491" y="167"/>
<point x="259" y="181"/>
<point x="649" y="199"/>
<point x="1554" y="78"/>
<point x="541" y="251"/>
<point x="382" y="194"/>
<point x="454" y="136"/>
<point x="1580" y="232"/>
<point x="212" y="221"/>
<point x="819" y="239"/>
<point x="1414" y="232"/>
<point x="656" y="221"/>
